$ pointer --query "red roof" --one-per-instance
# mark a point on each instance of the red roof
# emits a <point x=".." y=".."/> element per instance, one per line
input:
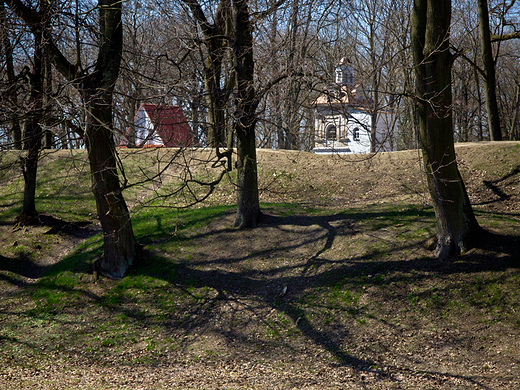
<point x="169" y="124"/>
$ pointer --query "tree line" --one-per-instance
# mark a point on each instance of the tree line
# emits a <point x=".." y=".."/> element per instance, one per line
<point x="247" y="74"/>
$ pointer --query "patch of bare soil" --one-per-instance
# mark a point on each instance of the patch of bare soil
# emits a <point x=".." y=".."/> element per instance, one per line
<point x="407" y="322"/>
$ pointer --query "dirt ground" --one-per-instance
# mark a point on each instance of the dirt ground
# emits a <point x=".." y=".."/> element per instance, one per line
<point x="260" y="326"/>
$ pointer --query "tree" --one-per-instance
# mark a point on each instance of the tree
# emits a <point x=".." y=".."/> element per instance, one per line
<point x="456" y="223"/>
<point x="32" y="135"/>
<point x="403" y="102"/>
<point x="376" y="47"/>
<point x="11" y="96"/>
<point x="96" y="90"/>
<point x="33" y="77"/>
<point x="508" y="88"/>
<point x="466" y="70"/>
<point x="287" y="48"/>
<point x="489" y="75"/>
<point x="507" y="84"/>
<point x="248" y="208"/>
<point x="230" y="37"/>
<point x="298" y="39"/>
<point x="219" y="69"/>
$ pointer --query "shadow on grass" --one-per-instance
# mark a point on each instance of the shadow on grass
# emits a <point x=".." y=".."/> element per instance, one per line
<point x="264" y="287"/>
<point x="494" y="186"/>
<point x="22" y="264"/>
<point x="248" y="295"/>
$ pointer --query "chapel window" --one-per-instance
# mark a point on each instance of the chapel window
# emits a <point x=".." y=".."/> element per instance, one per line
<point x="355" y="134"/>
<point x="331" y="132"/>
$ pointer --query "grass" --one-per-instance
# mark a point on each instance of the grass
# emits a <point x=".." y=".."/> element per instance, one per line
<point x="63" y="188"/>
<point x="357" y="280"/>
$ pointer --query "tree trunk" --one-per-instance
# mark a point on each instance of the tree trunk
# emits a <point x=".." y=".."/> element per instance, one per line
<point x="33" y="133"/>
<point x="292" y="120"/>
<point x="48" y="136"/>
<point x="456" y="222"/>
<point x="480" y="132"/>
<point x="488" y="62"/>
<point x="373" y="120"/>
<point x="464" y="121"/>
<point x="32" y="144"/>
<point x="118" y="237"/>
<point x="513" y="134"/>
<point x="248" y="208"/>
<point x="216" y="114"/>
<point x="375" y="85"/>
<point x="16" y="130"/>
<point x="217" y="90"/>
<point x="97" y="90"/>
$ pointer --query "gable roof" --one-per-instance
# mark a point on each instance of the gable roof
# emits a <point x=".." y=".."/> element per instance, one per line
<point x="169" y="123"/>
<point x="160" y="125"/>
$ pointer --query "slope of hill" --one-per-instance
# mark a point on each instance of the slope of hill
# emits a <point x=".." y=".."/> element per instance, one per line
<point x="335" y="289"/>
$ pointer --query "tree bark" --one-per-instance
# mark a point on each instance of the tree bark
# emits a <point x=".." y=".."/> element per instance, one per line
<point x="16" y="129"/>
<point x="97" y="89"/>
<point x="514" y="133"/>
<point x="290" y="133"/>
<point x="376" y="69"/>
<point x="234" y="27"/>
<point x="488" y="63"/>
<point x="32" y="136"/>
<point x="480" y="132"/>
<point x="248" y="208"/>
<point x="216" y="36"/>
<point x="456" y="222"/>
<point x="29" y="163"/>
<point x="118" y="238"/>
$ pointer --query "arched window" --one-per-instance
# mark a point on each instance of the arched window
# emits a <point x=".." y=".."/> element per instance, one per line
<point x="355" y="134"/>
<point x="330" y="132"/>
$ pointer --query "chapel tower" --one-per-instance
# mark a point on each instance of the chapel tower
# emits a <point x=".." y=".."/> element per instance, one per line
<point x="342" y="123"/>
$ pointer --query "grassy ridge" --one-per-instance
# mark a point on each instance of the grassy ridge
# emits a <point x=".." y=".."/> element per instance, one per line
<point x="328" y="279"/>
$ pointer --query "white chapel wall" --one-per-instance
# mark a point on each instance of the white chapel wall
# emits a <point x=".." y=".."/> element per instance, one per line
<point x="385" y="131"/>
<point x="144" y="127"/>
<point x="359" y="120"/>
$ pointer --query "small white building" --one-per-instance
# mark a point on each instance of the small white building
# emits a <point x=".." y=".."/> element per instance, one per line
<point x="161" y="126"/>
<point x="343" y="119"/>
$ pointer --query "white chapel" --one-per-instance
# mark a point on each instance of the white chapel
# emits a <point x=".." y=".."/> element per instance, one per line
<point x="344" y="120"/>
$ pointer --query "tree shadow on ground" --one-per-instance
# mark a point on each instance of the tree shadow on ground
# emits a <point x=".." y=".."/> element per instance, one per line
<point x="248" y="296"/>
<point x="276" y="290"/>
<point x="21" y="265"/>
<point x="494" y="186"/>
<point x="22" y="262"/>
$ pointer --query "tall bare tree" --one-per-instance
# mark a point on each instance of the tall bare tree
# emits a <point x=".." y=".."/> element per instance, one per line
<point x="230" y="38"/>
<point x="10" y="97"/>
<point x="456" y="223"/>
<point x="248" y="207"/>
<point x="96" y="90"/>
<point x="32" y="135"/>
<point x="489" y="74"/>
<point x="219" y="69"/>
